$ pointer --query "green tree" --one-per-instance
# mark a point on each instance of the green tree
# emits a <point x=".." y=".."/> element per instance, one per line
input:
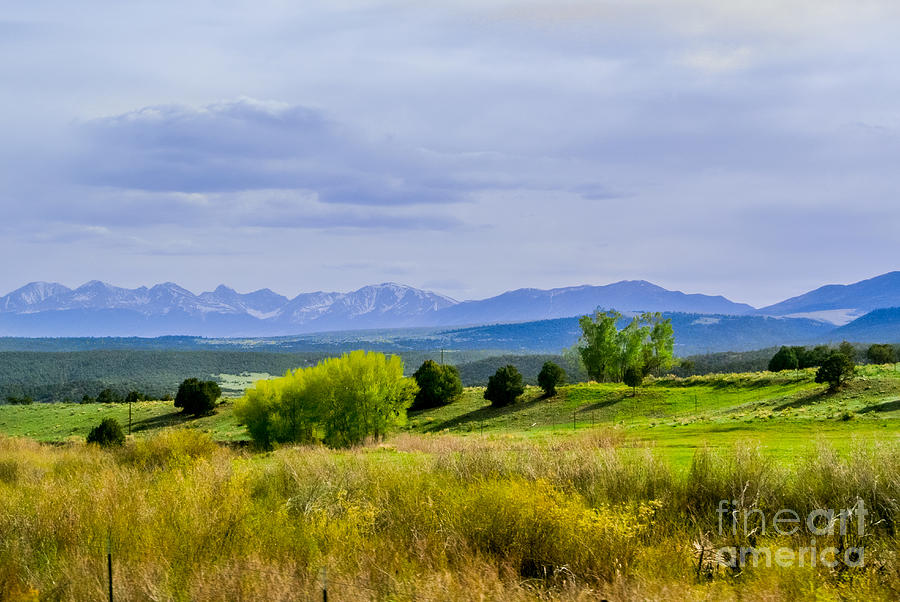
<point x="812" y="358"/>
<point x="848" y="349"/>
<point x="634" y="376"/>
<point x="880" y="354"/>
<point x="109" y="396"/>
<point x="504" y="386"/>
<point x="197" y="396"/>
<point x="784" y="359"/>
<point x="598" y="347"/>
<point x="343" y="401"/>
<point x="438" y="385"/>
<point x="662" y="342"/>
<point x="836" y="370"/>
<point x="549" y="377"/>
<point x="646" y="343"/>
<point x="686" y="367"/>
<point x="107" y="433"/>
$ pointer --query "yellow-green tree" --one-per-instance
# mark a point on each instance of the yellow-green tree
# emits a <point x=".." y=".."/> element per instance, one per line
<point x="342" y="400"/>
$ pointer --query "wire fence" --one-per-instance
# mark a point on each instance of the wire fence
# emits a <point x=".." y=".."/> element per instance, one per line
<point x="304" y="582"/>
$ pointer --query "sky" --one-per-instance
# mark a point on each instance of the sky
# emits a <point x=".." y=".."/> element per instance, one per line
<point x="746" y="148"/>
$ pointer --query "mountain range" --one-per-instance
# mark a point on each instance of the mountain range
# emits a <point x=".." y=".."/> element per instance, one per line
<point x="100" y="309"/>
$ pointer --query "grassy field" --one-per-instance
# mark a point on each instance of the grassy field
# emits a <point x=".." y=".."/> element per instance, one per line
<point x="594" y="493"/>
<point x="785" y="413"/>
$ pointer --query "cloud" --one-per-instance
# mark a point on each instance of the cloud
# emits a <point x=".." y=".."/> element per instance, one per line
<point x="492" y="143"/>
<point x="717" y="61"/>
<point x="248" y="144"/>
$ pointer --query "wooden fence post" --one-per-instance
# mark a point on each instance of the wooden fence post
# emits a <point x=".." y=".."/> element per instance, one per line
<point x="109" y="564"/>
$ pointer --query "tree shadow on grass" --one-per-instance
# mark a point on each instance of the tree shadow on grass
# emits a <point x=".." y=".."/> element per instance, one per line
<point x="805" y="400"/>
<point x="484" y="413"/>
<point x="889" y="406"/>
<point x="599" y="405"/>
<point x="163" y="420"/>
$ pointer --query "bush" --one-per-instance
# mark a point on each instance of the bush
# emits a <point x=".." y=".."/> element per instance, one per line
<point x="633" y="378"/>
<point x="197" y="396"/>
<point x="109" y="396"/>
<point x="107" y="433"/>
<point x="25" y="400"/>
<point x="438" y="385"/>
<point x="784" y="359"/>
<point x="504" y="386"/>
<point x="135" y="396"/>
<point x="836" y="370"/>
<point x="550" y="376"/>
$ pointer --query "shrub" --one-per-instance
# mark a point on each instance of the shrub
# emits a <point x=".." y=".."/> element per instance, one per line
<point x="633" y="378"/>
<point x="109" y="396"/>
<point x="197" y="397"/>
<point x="25" y="400"/>
<point x="107" y="433"/>
<point x="836" y="370"/>
<point x="438" y="385"/>
<point x="168" y="448"/>
<point x="135" y="396"/>
<point x="550" y="376"/>
<point x="504" y="386"/>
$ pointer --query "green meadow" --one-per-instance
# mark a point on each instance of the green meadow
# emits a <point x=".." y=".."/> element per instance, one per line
<point x="784" y="413"/>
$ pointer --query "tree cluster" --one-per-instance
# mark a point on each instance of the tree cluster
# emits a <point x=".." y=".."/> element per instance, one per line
<point x="881" y="354"/>
<point x="24" y="400"/>
<point x="110" y="395"/>
<point x="341" y="401"/>
<point x="438" y="385"/>
<point x="644" y="346"/>
<point x="798" y="357"/>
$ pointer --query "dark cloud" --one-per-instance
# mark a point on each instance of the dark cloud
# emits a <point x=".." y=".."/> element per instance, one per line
<point x="249" y="145"/>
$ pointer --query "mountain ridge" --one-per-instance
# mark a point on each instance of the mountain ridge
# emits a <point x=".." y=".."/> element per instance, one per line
<point x="97" y="308"/>
<point x="101" y="309"/>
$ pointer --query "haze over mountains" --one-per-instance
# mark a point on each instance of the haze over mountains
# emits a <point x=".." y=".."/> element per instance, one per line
<point x="100" y="309"/>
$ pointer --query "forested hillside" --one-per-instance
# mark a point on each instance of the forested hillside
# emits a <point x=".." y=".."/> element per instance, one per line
<point x="61" y="376"/>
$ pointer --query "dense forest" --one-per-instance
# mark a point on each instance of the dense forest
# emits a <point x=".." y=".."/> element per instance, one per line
<point x="62" y="376"/>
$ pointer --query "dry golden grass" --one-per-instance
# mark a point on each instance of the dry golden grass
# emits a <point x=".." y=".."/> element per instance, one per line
<point x="419" y="518"/>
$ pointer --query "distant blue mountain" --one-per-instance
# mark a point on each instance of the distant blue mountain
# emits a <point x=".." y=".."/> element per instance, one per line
<point x="523" y="319"/>
<point x="879" y="326"/>
<point x="842" y="303"/>
<point x="694" y="333"/>
<point x="629" y="295"/>
<point x="100" y="309"/>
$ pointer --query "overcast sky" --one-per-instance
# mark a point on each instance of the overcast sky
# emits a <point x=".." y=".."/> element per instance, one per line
<point x="749" y="148"/>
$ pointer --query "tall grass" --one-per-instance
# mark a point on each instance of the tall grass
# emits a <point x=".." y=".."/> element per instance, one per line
<point x="429" y="517"/>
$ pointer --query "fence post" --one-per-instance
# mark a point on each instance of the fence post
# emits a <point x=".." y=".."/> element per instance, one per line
<point x="109" y="564"/>
<point x="325" y="584"/>
<point x="573" y="420"/>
